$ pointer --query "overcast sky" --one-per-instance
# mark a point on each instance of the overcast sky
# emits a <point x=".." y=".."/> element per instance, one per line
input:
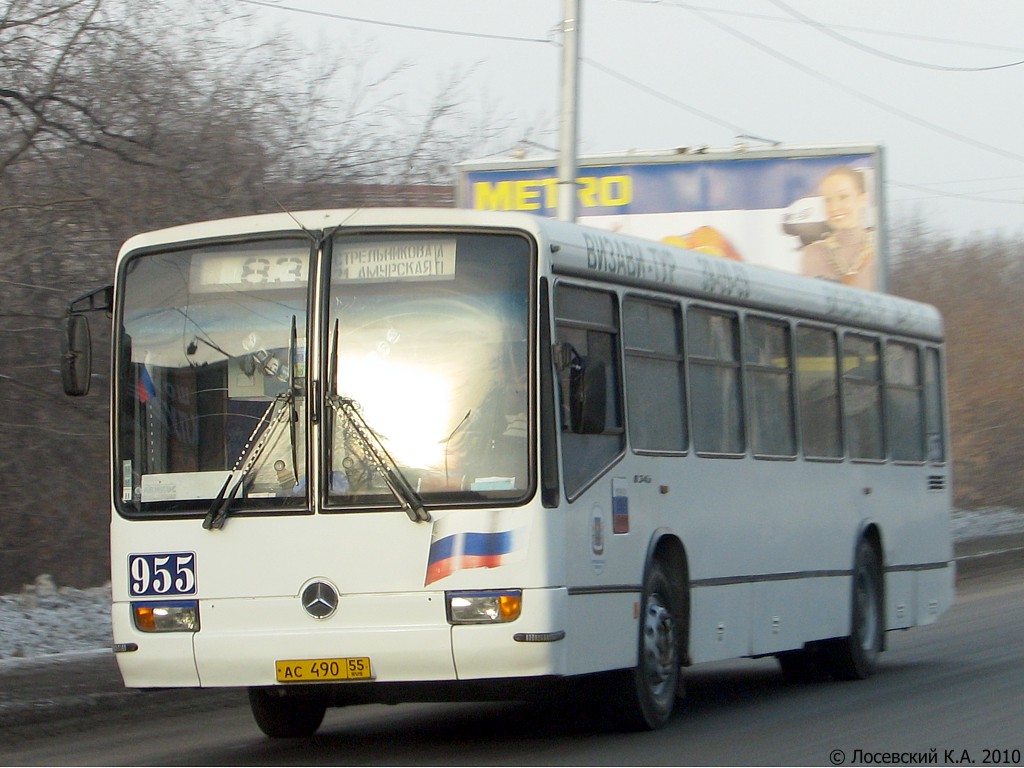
<point x="938" y="84"/>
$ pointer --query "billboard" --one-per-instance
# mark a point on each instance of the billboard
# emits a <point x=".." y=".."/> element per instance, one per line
<point x="807" y="210"/>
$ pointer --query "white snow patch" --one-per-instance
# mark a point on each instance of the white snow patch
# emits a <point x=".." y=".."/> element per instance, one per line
<point x="994" y="521"/>
<point x="44" y="619"/>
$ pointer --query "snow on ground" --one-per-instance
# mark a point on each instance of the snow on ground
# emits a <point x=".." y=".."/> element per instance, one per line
<point x="46" y="619"/>
<point x="977" y="523"/>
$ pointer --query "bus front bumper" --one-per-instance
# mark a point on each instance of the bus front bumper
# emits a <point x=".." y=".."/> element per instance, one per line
<point x="401" y="637"/>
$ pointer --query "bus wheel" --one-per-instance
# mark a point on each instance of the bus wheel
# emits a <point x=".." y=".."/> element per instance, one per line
<point x="285" y="716"/>
<point x="855" y="657"/>
<point x="642" y="698"/>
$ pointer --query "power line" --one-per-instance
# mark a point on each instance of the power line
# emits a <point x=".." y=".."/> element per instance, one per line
<point x="827" y="30"/>
<point x="738" y="130"/>
<point x="398" y="25"/>
<point x="933" y="193"/>
<point x="847" y="27"/>
<point x="687" y="6"/>
<point x="977" y="144"/>
<point x="706" y="14"/>
<point x="535" y="40"/>
<point x="1015" y="177"/>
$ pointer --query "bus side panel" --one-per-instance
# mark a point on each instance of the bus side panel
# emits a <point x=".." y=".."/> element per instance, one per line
<point x="602" y="631"/>
<point x="789" y="613"/>
<point x="900" y="600"/>
<point x="935" y="590"/>
<point x="720" y="622"/>
<point x="162" y="660"/>
<point x="916" y="541"/>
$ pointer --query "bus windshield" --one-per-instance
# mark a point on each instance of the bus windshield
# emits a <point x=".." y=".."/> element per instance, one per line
<point x="211" y="376"/>
<point x="421" y="374"/>
<point x="427" y="338"/>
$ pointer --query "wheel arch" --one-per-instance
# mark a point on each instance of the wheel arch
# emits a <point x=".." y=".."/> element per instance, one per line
<point x="871" y="531"/>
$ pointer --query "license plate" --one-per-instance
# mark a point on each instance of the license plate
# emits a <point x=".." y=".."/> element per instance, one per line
<point x="323" y="670"/>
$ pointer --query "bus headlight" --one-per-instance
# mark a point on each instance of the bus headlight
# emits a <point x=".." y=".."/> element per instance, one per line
<point x="490" y="607"/>
<point x="170" y="616"/>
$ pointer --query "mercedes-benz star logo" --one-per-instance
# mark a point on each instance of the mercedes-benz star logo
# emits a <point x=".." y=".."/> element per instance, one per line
<point x="319" y="599"/>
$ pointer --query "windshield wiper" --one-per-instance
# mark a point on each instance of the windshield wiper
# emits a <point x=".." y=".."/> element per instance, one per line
<point x="371" y="446"/>
<point x="374" y="449"/>
<point x="293" y="411"/>
<point x="267" y="429"/>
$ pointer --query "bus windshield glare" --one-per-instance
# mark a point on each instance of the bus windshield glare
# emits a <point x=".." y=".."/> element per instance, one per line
<point x="428" y="344"/>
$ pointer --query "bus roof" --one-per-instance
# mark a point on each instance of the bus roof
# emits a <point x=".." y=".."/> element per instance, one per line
<point x="602" y="255"/>
<point x="597" y="254"/>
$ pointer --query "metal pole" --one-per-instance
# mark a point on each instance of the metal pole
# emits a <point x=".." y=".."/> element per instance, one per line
<point x="567" y="146"/>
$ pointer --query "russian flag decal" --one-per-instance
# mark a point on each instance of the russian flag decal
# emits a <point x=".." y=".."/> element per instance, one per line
<point x="456" y="543"/>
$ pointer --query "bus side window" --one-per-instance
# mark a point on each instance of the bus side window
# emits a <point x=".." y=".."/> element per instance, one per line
<point x="862" y="397"/>
<point x="583" y="382"/>
<point x="655" y="395"/>
<point x="715" y="394"/>
<point x="817" y="376"/>
<point x="769" y="385"/>
<point x="904" y="401"/>
<point x="586" y="349"/>
<point x="933" y="410"/>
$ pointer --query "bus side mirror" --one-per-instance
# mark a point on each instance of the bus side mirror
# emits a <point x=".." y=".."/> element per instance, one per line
<point x="76" y="356"/>
<point x="587" y="396"/>
<point x="75" y="342"/>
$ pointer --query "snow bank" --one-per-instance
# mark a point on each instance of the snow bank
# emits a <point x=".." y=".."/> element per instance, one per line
<point x="45" y="619"/>
<point x="977" y="523"/>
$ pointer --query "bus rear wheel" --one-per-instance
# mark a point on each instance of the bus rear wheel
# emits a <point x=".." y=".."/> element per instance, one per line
<point x="642" y="698"/>
<point x="855" y="657"/>
<point x="282" y="716"/>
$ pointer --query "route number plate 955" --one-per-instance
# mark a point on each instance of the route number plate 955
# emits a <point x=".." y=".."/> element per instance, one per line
<point x="323" y="670"/>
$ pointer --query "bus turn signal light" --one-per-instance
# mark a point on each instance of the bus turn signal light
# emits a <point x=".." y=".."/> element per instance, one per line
<point x="171" y="616"/>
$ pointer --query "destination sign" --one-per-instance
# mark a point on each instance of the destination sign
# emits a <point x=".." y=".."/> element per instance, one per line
<point x="394" y="260"/>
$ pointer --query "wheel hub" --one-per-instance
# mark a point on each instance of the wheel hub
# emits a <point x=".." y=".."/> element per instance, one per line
<point x="659" y="648"/>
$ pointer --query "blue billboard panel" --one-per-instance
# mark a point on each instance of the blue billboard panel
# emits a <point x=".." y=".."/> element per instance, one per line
<point x="814" y="214"/>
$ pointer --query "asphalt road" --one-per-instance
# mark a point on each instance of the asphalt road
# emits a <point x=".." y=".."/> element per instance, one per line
<point x="954" y="688"/>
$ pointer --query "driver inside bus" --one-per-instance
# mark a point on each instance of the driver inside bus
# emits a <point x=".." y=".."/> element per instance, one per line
<point x="492" y="444"/>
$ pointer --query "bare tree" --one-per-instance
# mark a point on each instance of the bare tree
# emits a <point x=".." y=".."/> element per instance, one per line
<point x="40" y="47"/>
<point x="118" y="117"/>
<point x="978" y="284"/>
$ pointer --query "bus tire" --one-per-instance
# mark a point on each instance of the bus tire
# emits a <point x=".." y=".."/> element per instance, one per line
<point x="286" y="716"/>
<point x="855" y="657"/>
<point x="642" y="698"/>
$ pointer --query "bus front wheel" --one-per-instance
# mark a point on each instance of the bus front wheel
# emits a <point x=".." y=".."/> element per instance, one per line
<point x="285" y="716"/>
<point x="642" y="698"/>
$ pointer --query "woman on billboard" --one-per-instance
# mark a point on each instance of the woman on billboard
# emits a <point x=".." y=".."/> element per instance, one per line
<point x="847" y="253"/>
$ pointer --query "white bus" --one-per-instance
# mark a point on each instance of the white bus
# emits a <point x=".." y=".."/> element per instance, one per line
<point x="405" y="454"/>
